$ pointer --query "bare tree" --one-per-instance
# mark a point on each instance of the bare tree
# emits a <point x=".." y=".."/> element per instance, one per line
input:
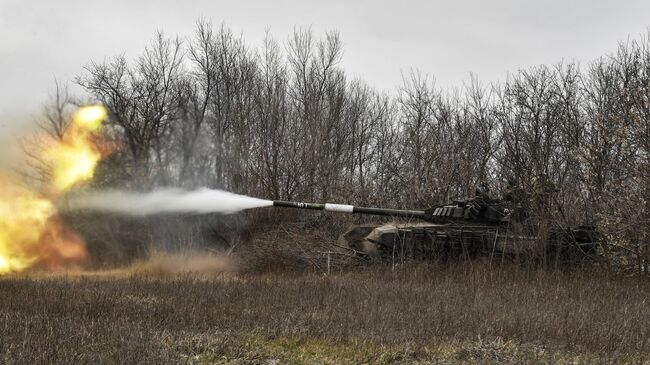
<point x="140" y="99"/>
<point x="287" y="122"/>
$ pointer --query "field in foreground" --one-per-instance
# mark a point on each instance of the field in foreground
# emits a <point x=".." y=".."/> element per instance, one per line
<point x="424" y="314"/>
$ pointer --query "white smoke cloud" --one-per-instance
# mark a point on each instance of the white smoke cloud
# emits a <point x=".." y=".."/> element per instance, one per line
<point x="14" y="130"/>
<point x="163" y="201"/>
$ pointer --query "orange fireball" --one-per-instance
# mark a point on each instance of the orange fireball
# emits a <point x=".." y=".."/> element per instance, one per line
<point x="74" y="158"/>
<point x="31" y="233"/>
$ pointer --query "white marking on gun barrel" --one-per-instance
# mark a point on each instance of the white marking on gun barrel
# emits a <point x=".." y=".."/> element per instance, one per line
<point x="339" y="208"/>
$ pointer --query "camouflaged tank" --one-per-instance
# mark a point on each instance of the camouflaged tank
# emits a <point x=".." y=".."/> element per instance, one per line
<point x="477" y="227"/>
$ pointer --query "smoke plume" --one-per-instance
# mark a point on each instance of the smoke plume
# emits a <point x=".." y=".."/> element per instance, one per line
<point x="163" y="201"/>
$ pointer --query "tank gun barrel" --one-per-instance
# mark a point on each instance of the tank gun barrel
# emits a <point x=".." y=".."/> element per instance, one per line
<point x="344" y="208"/>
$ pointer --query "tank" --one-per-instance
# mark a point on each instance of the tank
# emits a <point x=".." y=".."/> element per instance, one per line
<point x="498" y="229"/>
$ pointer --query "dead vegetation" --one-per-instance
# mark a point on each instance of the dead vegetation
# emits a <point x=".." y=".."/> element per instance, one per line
<point x="459" y="314"/>
<point x="286" y="121"/>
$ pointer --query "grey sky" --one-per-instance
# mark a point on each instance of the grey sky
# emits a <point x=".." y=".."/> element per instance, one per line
<point x="40" y="40"/>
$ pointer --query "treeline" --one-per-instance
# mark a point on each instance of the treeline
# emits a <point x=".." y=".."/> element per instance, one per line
<point x="285" y="121"/>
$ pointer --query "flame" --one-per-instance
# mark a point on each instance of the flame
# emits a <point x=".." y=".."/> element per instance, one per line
<point x="74" y="159"/>
<point x="31" y="233"/>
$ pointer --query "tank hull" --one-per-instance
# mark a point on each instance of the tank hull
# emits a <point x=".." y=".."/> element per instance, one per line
<point x="441" y="242"/>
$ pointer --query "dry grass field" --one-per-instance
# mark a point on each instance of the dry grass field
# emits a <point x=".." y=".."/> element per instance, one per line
<point x="468" y="313"/>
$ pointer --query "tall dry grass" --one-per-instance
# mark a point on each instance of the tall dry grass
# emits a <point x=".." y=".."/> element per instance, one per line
<point x="147" y="318"/>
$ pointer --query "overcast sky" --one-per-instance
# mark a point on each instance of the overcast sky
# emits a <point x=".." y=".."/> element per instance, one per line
<point x="41" y="40"/>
